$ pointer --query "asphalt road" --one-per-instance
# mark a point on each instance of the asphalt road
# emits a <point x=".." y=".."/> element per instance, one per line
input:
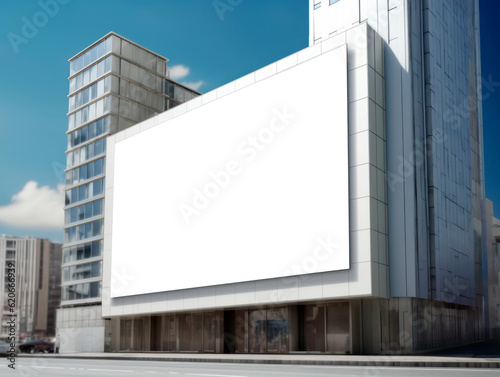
<point x="38" y="367"/>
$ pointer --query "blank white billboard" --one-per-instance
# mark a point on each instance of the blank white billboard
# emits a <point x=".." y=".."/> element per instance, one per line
<point x="253" y="185"/>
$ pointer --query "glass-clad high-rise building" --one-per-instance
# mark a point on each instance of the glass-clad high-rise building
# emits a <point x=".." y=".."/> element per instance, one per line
<point x="113" y="84"/>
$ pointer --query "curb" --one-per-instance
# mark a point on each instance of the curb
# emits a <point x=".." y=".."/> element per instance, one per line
<point x="367" y="363"/>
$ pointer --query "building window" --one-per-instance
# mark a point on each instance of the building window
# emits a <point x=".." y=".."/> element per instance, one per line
<point x="317" y="5"/>
<point x="83" y="231"/>
<point x="88" y="132"/>
<point x="11" y="243"/>
<point x="11" y="254"/>
<point x="83" y="251"/>
<point x="89" y="94"/>
<point x="86" y="152"/>
<point x="81" y="291"/>
<point x="82" y="271"/>
<point x="90" y="56"/>
<point x="84" y="192"/>
<point x="333" y="1"/>
<point x="89" y="113"/>
<point x="84" y="211"/>
<point x="90" y="74"/>
<point x="87" y="171"/>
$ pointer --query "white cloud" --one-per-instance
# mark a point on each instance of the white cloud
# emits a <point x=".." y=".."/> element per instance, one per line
<point x="178" y="72"/>
<point x="35" y="207"/>
<point x="193" y="85"/>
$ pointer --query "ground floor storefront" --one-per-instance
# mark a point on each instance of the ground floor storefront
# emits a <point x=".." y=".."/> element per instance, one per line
<point x="309" y="328"/>
<point x="362" y="326"/>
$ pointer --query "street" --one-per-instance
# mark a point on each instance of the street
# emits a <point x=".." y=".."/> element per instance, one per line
<point x="96" y="368"/>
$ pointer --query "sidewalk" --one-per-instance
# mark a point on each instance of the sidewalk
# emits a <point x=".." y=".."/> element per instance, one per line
<point x="452" y="361"/>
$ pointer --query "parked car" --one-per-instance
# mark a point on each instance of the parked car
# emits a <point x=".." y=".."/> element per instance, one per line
<point x="4" y="347"/>
<point x="36" y="346"/>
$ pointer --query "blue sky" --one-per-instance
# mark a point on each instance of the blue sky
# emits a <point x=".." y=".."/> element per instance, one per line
<point x="216" y="48"/>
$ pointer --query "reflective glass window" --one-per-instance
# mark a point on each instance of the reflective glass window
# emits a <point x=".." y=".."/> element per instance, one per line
<point x="98" y="127"/>
<point x="83" y="231"/>
<point x="73" y="214"/>
<point x="84" y="134"/>
<point x="90" y="170"/>
<point x="101" y="48"/>
<point x="86" y="171"/>
<point x="96" y="248"/>
<point x="98" y="147"/>
<point x="88" y="230"/>
<point x="87" y="250"/>
<point x="97" y="228"/>
<point x="80" y="252"/>
<point x="98" y="185"/>
<point x="86" y="191"/>
<point x="97" y="207"/>
<point x="74" y="195"/>
<point x="90" y="56"/>
<point x="92" y="130"/>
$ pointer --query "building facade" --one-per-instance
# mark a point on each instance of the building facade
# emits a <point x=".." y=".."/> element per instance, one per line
<point x="37" y="291"/>
<point x="254" y="260"/>
<point x="435" y="172"/>
<point x="113" y="84"/>
<point x="493" y="308"/>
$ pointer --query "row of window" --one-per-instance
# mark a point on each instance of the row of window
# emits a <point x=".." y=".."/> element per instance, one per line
<point x="142" y="57"/>
<point x="141" y="76"/>
<point x="141" y="95"/>
<point x="85" y="211"/>
<point x="84" y="192"/>
<point x="86" y="152"/>
<point x="170" y="104"/>
<point x="82" y="271"/>
<point x="318" y="4"/>
<point x="120" y="106"/>
<point x="81" y="291"/>
<point x="90" y="56"/>
<point x="90" y="74"/>
<point x="88" y="132"/>
<point x="178" y="92"/>
<point x="131" y="110"/>
<point x="86" y="171"/>
<point x="84" y="231"/>
<point x="83" y="251"/>
<point x="89" y="113"/>
<point x="91" y="93"/>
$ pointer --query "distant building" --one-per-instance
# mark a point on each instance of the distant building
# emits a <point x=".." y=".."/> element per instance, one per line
<point x="113" y="84"/>
<point x="38" y="285"/>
